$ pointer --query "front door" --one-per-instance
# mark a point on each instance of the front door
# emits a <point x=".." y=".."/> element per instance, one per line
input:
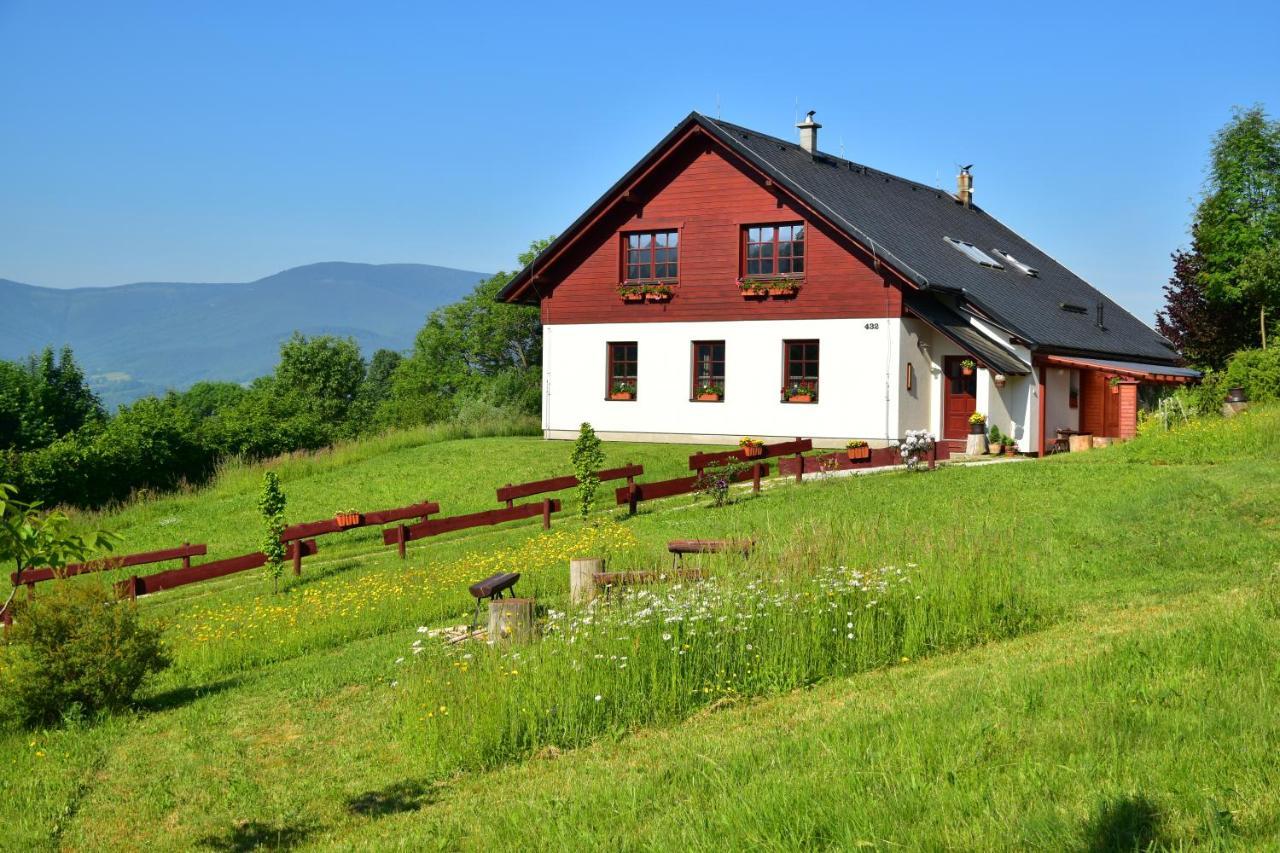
<point x="959" y="398"/>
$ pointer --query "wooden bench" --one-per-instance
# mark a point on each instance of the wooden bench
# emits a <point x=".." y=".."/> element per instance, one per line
<point x="490" y="588"/>
<point x="680" y="547"/>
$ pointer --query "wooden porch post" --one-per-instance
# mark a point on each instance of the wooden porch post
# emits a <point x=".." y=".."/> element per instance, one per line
<point x="1042" y="392"/>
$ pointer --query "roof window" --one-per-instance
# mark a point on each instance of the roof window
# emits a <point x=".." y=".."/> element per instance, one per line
<point x="974" y="254"/>
<point x="1009" y="259"/>
<point x="1073" y="309"/>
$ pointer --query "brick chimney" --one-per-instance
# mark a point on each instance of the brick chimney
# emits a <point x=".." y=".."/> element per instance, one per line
<point x="809" y="133"/>
<point x="964" y="185"/>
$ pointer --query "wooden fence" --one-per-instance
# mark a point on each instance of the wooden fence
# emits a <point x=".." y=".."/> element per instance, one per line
<point x="185" y="552"/>
<point x="700" y="461"/>
<point x="403" y="533"/>
<point x="146" y="584"/>
<point x="633" y="494"/>
<point x="366" y="519"/>
<point x="510" y="494"/>
<point x="880" y="457"/>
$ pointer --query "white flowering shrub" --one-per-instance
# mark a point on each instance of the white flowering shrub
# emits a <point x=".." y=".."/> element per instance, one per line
<point x="915" y="446"/>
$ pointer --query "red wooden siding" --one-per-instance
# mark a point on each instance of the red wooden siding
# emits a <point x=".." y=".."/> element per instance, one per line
<point x="1100" y="412"/>
<point x="710" y="200"/>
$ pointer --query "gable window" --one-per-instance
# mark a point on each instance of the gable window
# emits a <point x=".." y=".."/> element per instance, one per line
<point x="623" y="364"/>
<point x="773" y="250"/>
<point x="652" y="255"/>
<point x="800" y="371"/>
<point x="708" y="371"/>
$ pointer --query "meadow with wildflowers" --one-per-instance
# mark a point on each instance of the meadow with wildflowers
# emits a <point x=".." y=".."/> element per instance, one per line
<point x="1072" y="653"/>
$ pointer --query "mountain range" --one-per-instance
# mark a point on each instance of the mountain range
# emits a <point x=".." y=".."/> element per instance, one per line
<point x="138" y="339"/>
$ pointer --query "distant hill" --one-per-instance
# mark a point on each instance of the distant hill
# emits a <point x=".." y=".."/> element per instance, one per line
<point x="136" y="339"/>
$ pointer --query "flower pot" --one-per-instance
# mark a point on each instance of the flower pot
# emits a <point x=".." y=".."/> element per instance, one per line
<point x="979" y="428"/>
<point x="657" y="297"/>
<point x="1236" y="395"/>
<point x="966" y="371"/>
<point x="621" y="395"/>
<point x="1010" y="450"/>
<point x="800" y="398"/>
<point x="858" y="454"/>
<point x="347" y="519"/>
<point x="633" y="297"/>
<point x="754" y="294"/>
<point x="753" y="451"/>
<point x="1115" y="389"/>
<point x="708" y="398"/>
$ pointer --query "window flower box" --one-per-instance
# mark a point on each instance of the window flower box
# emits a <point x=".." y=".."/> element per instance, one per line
<point x="858" y="451"/>
<point x="658" y="293"/>
<point x="752" y="448"/>
<point x="796" y="393"/>
<point x="709" y="393"/>
<point x="753" y="289"/>
<point x="347" y="518"/>
<point x="635" y="292"/>
<point x="622" y="391"/>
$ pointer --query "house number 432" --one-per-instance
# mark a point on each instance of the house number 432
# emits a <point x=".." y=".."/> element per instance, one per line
<point x="871" y="326"/>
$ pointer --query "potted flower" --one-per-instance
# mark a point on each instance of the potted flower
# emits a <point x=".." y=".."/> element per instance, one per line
<point x="752" y="448"/>
<point x="1000" y="379"/>
<point x="797" y="393"/>
<point x="658" y="293"/>
<point x="631" y="292"/>
<point x="967" y="366"/>
<point x="977" y="424"/>
<point x="347" y="518"/>
<point x="994" y="437"/>
<point x="1114" y="384"/>
<point x="753" y="289"/>
<point x="1009" y="446"/>
<point x="622" y="391"/>
<point x="783" y="287"/>
<point x="858" y="450"/>
<point x="709" y="392"/>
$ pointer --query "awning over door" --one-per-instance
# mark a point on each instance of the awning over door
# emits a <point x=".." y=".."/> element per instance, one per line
<point x="1141" y="371"/>
<point x="962" y="333"/>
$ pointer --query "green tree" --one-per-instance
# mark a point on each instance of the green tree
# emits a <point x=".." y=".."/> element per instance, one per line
<point x="319" y="376"/>
<point x="476" y="348"/>
<point x="588" y="459"/>
<point x="205" y="399"/>
<point x="271" y="505"/>
<point x="65" y="397"/>
<point x="30" y="537"/>
<point x="1237" y="224"/>
<point x="23" y="423"/>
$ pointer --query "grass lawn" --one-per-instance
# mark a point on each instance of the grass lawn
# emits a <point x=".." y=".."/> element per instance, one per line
<point x="1079" y="653"/>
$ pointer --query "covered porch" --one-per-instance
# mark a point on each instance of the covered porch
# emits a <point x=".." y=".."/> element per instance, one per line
<point x="1098" y="397"/>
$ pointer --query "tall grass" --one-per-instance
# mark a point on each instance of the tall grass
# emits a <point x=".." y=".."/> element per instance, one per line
<point x="653" y="656"/>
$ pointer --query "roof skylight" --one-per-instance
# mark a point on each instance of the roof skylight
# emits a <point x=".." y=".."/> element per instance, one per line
<point x="1025" y="269"/>
<point x="974" y="254"/>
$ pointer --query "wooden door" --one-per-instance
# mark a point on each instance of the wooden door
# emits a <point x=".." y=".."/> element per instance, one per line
<point x="959" y="398"/>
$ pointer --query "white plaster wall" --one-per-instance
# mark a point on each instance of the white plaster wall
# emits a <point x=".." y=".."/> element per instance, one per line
<point x="859" y="379"/>
<point x="1058" y="412"/>
<point x="915" y="407"/>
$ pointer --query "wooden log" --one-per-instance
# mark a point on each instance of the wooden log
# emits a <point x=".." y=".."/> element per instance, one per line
<point x="582" y="572"/>
<point x="511" y="620"/>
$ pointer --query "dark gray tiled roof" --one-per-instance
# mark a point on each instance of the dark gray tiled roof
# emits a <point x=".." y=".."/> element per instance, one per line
<point x="906" y="222"/>
<point x="957" y="328"/>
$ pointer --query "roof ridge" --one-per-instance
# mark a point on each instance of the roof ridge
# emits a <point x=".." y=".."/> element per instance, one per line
<point x="730" y="126"/>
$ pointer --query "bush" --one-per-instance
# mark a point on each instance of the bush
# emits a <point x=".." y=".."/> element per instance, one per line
<point x="1255" y="370"/>
<point x="75" y="650"/>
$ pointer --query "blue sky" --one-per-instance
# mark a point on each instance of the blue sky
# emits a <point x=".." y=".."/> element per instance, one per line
<point x="226" y="141"/>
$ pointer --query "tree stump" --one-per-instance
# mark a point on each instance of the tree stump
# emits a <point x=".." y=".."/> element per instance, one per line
<point x="582" y="583"/>
<point x="511" y="620"/>
<point x="976" y="444"/>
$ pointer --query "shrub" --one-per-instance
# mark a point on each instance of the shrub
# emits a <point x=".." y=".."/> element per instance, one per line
<point x="75" y="650"/>
<point x="588" y="459"/>
<point x="1255" y="370"/>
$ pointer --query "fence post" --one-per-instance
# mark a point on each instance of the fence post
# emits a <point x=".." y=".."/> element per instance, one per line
<point x="510" y="502"/>
<point x="186" y="558"/>
<point x="933" y="456"/>
<point x="297" y="558"/>
<point x="546" y="514"/>
<point x="755" y="478"/>
<point x="633" y="497"/>
<point x="401" y="536"/>
<point x="133" y="588"/>
<point x="799" y="464"/>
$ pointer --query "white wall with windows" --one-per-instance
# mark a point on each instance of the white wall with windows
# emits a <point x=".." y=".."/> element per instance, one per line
<point x="860" y="380"/>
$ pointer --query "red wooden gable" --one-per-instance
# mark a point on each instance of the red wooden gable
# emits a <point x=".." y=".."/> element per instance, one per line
<point x="699" y="187"/>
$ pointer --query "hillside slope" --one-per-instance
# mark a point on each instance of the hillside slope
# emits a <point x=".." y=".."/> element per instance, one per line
<point x="142" y="338"/>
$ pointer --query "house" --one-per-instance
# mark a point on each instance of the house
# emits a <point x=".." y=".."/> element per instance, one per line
<point x="733" y="283"/>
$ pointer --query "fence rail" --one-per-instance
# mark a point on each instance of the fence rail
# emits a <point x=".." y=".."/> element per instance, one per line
<point x="403" y="533"/>
<point x="308" y="529"/>
<point x="509" y="493"/>
<point x="185" y="552"/>
<point x="146" y="584"/>
<point x="633" y="494"/>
